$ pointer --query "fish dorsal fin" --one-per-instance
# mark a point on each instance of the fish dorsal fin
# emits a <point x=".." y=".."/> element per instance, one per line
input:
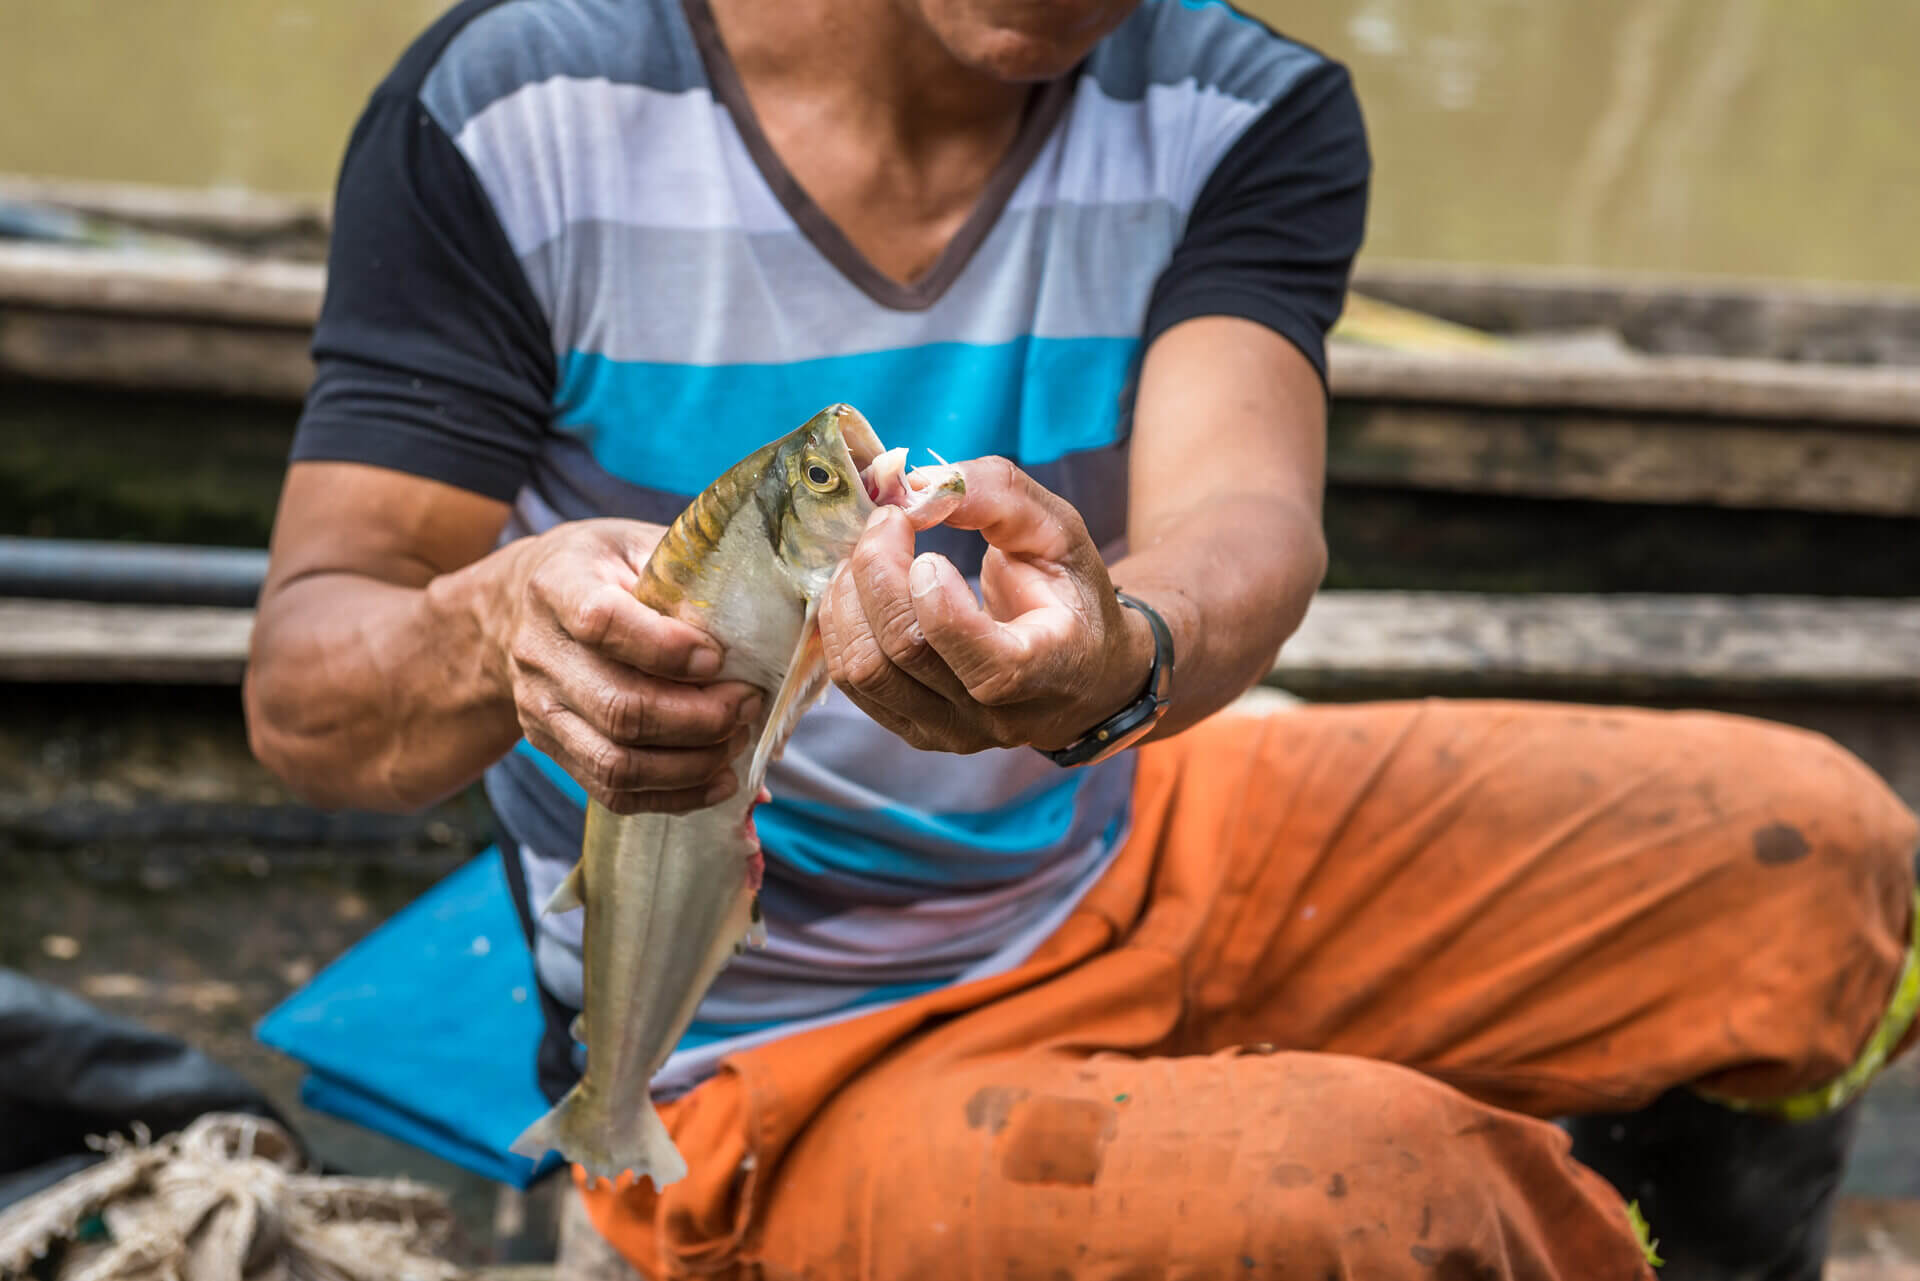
<point x="806" y="681"/>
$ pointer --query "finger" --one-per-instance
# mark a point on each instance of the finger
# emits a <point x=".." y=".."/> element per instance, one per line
<point x="638" y="710"/>
<point x="915" y="734"/>
<point x="605" y="616"/>
<point x="860" y="667"/>
<point x="997" y="662"/>
<point x="693" y="798"/>
<point x="878" y="570"/>
<point x="712" y="792"/>
<point x="1017" y="514"/>
<point x="606" y="768"/>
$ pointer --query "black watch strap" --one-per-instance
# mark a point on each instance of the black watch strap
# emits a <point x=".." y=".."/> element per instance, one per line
<point x="1133" y="721"/>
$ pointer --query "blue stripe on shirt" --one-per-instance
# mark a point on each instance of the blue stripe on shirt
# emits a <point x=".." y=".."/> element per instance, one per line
<point x="1032" y="399"/>
<point x="897" y="845"/>
<point x="706" y="1031"/>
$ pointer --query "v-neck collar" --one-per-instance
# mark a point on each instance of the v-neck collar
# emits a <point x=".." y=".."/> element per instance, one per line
<point x="1041" y="116"/>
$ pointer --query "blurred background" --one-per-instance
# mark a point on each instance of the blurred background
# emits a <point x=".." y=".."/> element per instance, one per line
<point x="1754" y="137"/>
<point x="1627" y="409"/>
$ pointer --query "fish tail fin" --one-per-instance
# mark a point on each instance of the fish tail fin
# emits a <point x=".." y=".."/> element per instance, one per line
<point x="606" y="1147"/>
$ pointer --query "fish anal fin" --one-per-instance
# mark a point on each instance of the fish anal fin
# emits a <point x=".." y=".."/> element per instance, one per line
<point x="806" y="681"/>
<point x="632" y="1140"/>
<point x="570" y="893"/>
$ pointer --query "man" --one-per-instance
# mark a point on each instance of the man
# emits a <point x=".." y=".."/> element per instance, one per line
<point x="1280" y="995"/>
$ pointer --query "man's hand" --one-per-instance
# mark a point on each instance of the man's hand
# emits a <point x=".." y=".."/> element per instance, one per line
<point x="1051" y="655"/>
<point x="601" y="682"/>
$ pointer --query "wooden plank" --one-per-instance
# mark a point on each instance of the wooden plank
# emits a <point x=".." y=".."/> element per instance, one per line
<point x="1713" y="387"/>
<point x="200" y="286"/>
<point x="1638" y="646"/>
<point x="1553" y="424"/>
<point x="221" y="213"/>
<point x="278" y="293"/>
<point x="1674" y="315"/>
<point x="1587" y="455"/>
<point x="43" y="640"/>
<point x="1632" y="647"/>
<point x="147" y="353"/>
<point x="282" y="294"/>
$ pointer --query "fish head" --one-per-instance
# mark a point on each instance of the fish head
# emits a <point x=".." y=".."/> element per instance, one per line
<point x="819" y="501"/>
<point x="823" y="480"/>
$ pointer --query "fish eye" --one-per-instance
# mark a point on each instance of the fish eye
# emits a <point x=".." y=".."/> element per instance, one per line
<point x="819" y="477"/>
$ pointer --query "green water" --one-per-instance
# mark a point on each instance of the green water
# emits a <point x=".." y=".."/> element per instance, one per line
<point x="1760" y="137"/>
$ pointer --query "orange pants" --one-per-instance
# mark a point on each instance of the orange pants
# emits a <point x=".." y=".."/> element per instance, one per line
<point x="1305" y="1024"/>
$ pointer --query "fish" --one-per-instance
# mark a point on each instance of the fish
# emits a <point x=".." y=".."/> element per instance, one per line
<point x="670" y="898"/>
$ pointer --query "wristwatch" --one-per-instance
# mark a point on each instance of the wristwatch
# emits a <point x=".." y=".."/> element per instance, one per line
<point x="1134" y="721"/>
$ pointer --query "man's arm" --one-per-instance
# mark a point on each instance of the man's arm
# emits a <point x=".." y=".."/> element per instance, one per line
<point x="1224" y="525"/>
<point x="395" y="656"/>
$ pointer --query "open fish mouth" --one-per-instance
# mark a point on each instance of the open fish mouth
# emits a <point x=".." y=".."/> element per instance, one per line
<point x="884" y="472"/>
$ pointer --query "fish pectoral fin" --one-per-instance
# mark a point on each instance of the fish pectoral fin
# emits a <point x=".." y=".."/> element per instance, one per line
<point x="570" y="893"/>
<point x="806" y="681"/>
<point x="578" y="1028"/>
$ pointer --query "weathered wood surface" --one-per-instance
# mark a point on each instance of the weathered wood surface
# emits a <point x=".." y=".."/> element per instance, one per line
<point x="1630" y="646"/>
<point x="199" y="286"/>
<point x="1551" y="424"/>
<point x="1636" y="459"/>
<point x="278" y="295"/>
<point x="144" y="353"/>
<point x="1766" y="390"/>
<point x="228" y="216"/>
<point x="88" y="643"/>
<point x="1640" y="646"/>
<point x="1674" y="315"/>
<point x="206" y="323"/>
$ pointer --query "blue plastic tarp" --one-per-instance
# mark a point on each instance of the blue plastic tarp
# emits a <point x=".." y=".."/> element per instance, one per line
<point x="426" y="1029"/>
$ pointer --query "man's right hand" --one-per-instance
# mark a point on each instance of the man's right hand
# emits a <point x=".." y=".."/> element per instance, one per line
<point x="398" y="651"/>
<point x="608" y="687"/>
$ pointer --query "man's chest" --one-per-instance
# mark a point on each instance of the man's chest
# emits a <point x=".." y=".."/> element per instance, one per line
<point x="692" y="314"/>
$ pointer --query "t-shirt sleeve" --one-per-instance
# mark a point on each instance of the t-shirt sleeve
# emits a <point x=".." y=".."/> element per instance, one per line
<point x="431" y="355"/>
<point x="1273" y="233"/>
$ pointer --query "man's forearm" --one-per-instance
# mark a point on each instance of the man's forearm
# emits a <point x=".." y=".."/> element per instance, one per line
<point x="1233" y="579"/>
<point x="379" y="696"/>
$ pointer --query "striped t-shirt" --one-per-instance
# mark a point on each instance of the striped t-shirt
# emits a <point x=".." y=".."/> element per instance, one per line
<point x="569" y="272"/>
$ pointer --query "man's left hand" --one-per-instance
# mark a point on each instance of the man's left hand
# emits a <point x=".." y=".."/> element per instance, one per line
<point x="1052" y="654"/>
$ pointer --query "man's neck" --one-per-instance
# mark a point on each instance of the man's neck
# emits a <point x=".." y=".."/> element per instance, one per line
<point x="890" y="135"/>
<point x="871" y="60"/>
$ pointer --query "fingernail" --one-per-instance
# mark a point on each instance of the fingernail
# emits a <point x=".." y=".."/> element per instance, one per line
<point x="705" y="662"/>
<point x="721" y="788"/>
<point x="924" y="577"/>
<point x="879" y="515"/>
<point x="750" y="708"/>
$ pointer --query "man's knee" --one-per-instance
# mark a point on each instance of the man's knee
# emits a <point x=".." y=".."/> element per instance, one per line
<point x="1384" y="1171"/>
<point x="1826" y="804"/>
<point x="1204" y="1166"/>
<point x="1825" y="852"/>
